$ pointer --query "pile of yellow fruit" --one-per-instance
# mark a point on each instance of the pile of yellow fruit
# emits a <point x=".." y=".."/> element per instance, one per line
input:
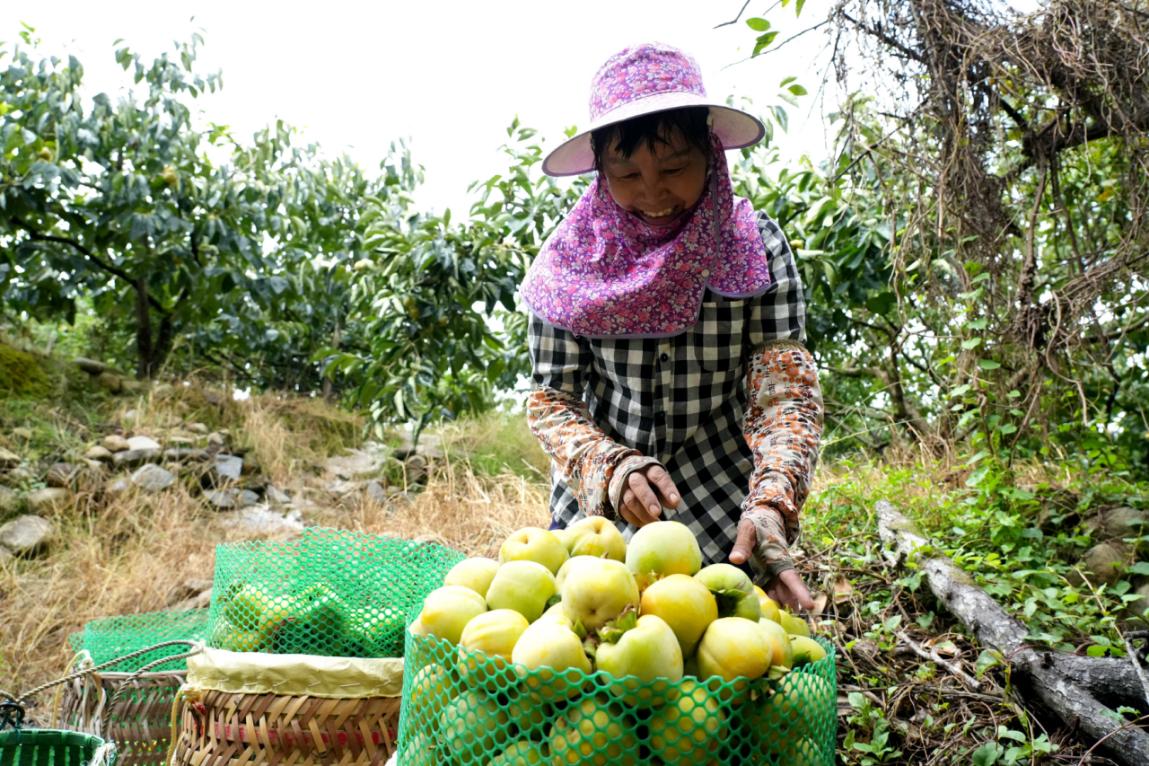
<point x="575" y="647"/>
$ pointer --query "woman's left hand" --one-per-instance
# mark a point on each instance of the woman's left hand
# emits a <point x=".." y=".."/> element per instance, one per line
<point x="763" y="534"/>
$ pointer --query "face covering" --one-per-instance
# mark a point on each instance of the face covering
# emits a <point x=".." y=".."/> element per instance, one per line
<point x="606" y="273"/>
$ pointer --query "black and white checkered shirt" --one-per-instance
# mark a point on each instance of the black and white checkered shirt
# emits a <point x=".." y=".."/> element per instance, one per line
<point x="681" y="399"/>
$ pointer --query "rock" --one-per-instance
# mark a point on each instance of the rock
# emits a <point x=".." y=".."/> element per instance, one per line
<point x="110" y="382"/>
<point x="47" y="500"/>
<point x="186" y="455"/>
<point x="134" y="457"/>
<point x="357" y="464"/>
<point x="214" y="398"/>
<point x="227" y="499"/>
<point x="343" y="487"/>
<point x="91" y="366"/>
<point x="8" y="460"/>
<point x="377" y="493"/>
<point x="1105" y="562"/>
<point x="23" y="433"/>
<point x="217" y="439"/>
<point x="228" y="468"/>
<point x="152" y="478"/>
<point x="21" y="474"/>
<point x="115" y="443"/>
<point x="97" y="452"/>
<point x="62" y="475"/>
<point x="1135" y="608"/>
<point x="117" y="486"/>
<point x="192" y="594"/>
<point x="179" y="440"/>
<point x="197" y="428"/>
<point x="1118" y="523"/>
<point x="27" y="535"/>
<point x="5" y="555"/>
<point x="10" y="501"/>
<point x="417" y="469"/>
<point x="276" y="495"/>
<point x="260" y="519"/>
<point x="142" y="443"/>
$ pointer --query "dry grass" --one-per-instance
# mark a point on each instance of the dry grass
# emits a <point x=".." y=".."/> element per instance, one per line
<point x="138" y="552"/>
<point x="459" y="508"/>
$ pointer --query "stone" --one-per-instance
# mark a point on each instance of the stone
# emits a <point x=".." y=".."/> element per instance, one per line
<point x="47" y="500"/>
<point x="115" y="443"/>
<point x="217" y="439"/>
<point x="180" y="440"/>
<point x="62" y="475"/>
<point x="110" y="382"/>
<point x="260" y="519"/>
<point x="227" y="468"/>
<point x="1121" y="522"/>
<point x="21" y="474"/>
<point x="417" y="469"/>
<point x="227" y="499"/>
<point x="27" y="535"/>
<point x="10" y="501"/>
<point x="276" y="496"/>
<point x="117" y="486"/>
<point x="134" y="457"/>
<point x="377" y="493"/>
<point x="1106" y="562"/>
<point x="197" y="428"/>
<point x="143" y="443"/>
<point x="23" y="433"/>
<point x="8" y="460"/>
<point x="186" y="455"/>
<point x="357" y="464"/>
<point x="152" y="478"/>
<point x="98" y="452"/>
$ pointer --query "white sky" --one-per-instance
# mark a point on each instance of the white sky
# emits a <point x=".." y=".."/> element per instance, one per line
<point x="447" y="75"/>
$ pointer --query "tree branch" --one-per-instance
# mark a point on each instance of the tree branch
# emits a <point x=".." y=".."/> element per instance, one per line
<point x="1035" y="671"/>
<point x="103" y="265"/>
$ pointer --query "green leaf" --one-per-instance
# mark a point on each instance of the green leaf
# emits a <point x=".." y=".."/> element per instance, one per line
<point x="758" y="24"/>
<point x="988" y="364"/>
<point x="971" y="343"/>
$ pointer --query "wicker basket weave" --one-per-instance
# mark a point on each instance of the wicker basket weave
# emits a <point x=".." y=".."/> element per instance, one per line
<point x="54" y="747"/>
<point x="256" y="708"/>
<point x="140" y="719"/>
<point x="222" y="728"/>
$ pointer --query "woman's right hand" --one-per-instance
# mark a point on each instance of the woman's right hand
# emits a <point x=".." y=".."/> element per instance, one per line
<point x="647" y="491"/>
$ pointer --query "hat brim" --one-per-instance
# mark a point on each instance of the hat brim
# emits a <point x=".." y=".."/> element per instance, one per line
<point x="734" y="128"/>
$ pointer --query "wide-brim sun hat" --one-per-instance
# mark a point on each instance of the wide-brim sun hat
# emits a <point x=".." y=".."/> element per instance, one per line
<point x="646" y="79"/>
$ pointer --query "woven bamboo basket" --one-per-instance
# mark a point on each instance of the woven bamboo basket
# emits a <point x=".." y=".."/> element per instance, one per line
<point x="139" y="718"/>
<point x="257" y="708"/>
<point x="54" y="747"/>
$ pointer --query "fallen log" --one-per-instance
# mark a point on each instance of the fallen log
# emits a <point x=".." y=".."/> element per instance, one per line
<point x="1067" y="685"/>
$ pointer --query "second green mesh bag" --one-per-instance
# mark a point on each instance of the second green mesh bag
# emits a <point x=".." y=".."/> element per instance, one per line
<point x="330" y="592"/>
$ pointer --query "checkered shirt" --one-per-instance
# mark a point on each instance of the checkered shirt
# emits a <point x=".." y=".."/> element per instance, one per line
<point x="680" y="399"/>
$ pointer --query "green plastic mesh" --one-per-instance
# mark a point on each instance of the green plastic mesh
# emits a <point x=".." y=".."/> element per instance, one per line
<point x="461" y="708"/>
<point x="53" y="747"/>
<point x="329" y="592"/>
<point x="109" y="638"/>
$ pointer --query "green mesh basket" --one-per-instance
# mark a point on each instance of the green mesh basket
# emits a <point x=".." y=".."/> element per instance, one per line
<point x="463" y="708"/>
<point x="109" y="638"/>
<point x="329" y="592"/>
<point x="54" y="747"/>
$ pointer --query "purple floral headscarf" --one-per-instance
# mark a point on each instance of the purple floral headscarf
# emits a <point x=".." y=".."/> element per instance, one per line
<point x="606" y="273"/>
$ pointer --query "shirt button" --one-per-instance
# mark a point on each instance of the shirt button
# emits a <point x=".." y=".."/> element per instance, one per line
<point x="664" y="357"/>
<point x="705" y="273"/>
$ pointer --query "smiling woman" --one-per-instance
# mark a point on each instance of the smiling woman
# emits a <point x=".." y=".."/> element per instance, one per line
<point x="665" y="326"/>
<point x="656" y="167"/>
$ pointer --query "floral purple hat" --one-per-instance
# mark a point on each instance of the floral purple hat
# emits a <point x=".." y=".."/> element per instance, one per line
<point x="642" y="80"/>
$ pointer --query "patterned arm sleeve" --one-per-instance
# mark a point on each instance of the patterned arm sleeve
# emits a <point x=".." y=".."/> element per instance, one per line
<point x="556" y="414"/>
<point x="783" y="422"/>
